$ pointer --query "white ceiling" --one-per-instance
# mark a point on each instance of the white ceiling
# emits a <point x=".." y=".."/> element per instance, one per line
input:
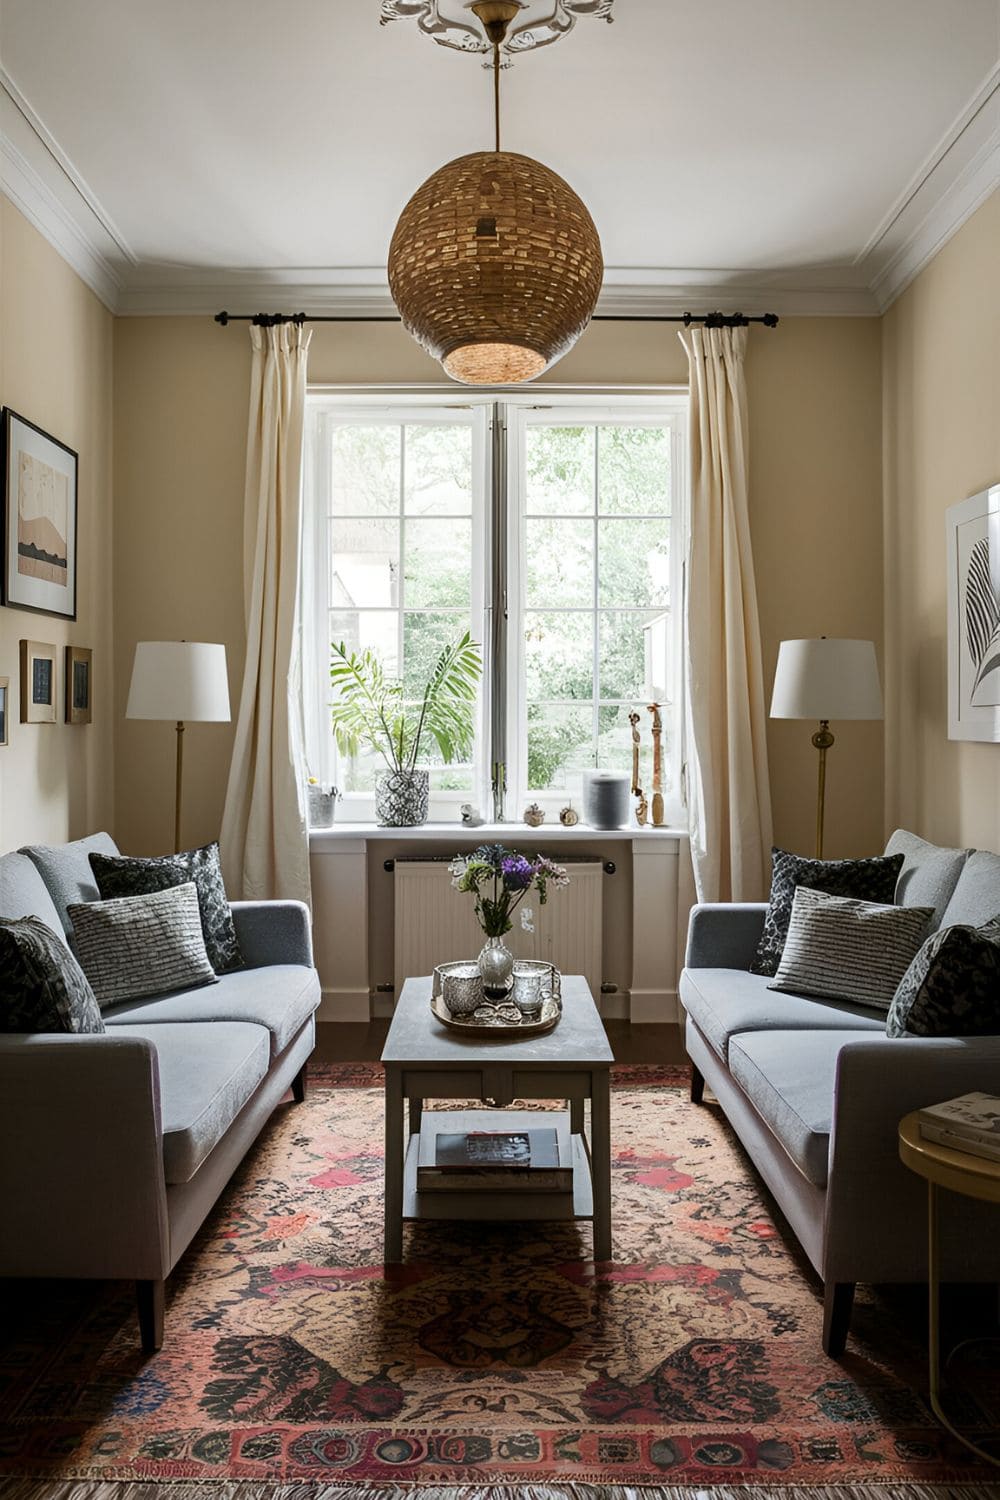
<point x="810" y="149"/>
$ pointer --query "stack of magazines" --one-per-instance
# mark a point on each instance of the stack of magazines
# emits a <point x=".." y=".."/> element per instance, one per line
<point x="490" y="1161"/>
<point x="969" y="1123"/>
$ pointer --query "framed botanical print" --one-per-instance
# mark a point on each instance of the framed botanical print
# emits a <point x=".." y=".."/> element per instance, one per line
<point x="4" y="711"/>
<point x="79" y="678"/>
<point x="974" y="617"/>
<point x="39" y="519"/>
<point x="38" y="683"/>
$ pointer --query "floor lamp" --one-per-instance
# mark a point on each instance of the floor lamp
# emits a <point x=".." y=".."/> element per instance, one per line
<point x="183" y="681"/>
<point x="826" y="679"/>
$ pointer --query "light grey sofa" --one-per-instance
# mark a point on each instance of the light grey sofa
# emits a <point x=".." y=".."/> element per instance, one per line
<point x="815" y="1091"/>
<point x="114" y="1147"/>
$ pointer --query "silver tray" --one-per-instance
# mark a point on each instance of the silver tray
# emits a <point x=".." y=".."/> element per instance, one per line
<point x="500" y="1020"/>
<point x="552" y="980"/>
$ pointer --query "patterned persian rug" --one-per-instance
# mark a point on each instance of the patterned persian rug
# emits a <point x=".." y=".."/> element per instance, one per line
<point x="497" y="1361"/>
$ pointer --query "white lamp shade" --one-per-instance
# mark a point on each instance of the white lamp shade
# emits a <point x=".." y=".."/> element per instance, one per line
<point x="179" y="680"/>
<point x="826" y="679"/>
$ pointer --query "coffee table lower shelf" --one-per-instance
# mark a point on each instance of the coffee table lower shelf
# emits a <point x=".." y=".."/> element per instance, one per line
<point x="507" y="1205"/>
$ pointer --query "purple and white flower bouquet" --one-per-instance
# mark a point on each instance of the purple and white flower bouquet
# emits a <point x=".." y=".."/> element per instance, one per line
<point x="500" y="879"/>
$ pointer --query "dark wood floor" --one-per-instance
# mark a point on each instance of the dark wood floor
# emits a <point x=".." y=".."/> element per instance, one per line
<point x="347" y="1041"/>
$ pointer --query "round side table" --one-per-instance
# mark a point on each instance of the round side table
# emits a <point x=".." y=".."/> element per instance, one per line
<point x="958" y="1172"/>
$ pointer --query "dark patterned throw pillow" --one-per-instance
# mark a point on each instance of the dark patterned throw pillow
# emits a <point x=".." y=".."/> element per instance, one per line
<point x="42" y="987"/>
<point x="865" y="879"/>
<point x="952" y="987"/>
<point x="120" y="875"/>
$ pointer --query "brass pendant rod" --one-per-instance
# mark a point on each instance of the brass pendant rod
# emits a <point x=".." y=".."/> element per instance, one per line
<point x="496" y="95"/>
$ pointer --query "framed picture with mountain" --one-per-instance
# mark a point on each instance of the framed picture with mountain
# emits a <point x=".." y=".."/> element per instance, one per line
<point x="974" y="617"/>
<point x="39" y="519"/>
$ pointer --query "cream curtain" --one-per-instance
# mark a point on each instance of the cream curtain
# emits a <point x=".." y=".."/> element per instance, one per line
<point x="265" y="844"/>
<point x="728" y="792"/>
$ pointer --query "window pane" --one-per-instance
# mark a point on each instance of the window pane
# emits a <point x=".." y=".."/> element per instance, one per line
<point x="438" y="564"/>
<point x="364" y="470"/>
<point x="634" y="562"/>
<point x="560" y="745"/>
<point x="424" y="638"/>
<point x="560" y="563"/>
<point x="632" y="652"/>
<point x="451" y="778"/>
<point x="633" y="466"/>
<point x="559" y="655"/>
<point x="438" y="471"/>
<point x="560" y="470"/>
<point x="360" y="629"/>
<point x="364" y="561"/>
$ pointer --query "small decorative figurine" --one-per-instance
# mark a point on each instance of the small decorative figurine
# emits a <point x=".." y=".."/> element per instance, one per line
<point x="641" y="808"/>
<point x="569" y="817"/>
<point x="470" y="816"/>
<point x="657" y="807"/>
<point x="638" y="795"/>
<point x="533" y="816"/>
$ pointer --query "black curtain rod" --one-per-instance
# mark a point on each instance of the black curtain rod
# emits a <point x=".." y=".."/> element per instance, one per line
<point x="710" y="319"/>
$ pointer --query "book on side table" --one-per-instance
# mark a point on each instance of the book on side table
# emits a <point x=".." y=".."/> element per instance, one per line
<point x="969" y="1123"/>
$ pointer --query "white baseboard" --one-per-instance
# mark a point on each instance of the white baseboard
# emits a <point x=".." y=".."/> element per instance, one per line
<point x="344" y="1005"/>
<point x="654" y="1007"/>
<point x="614" y="1007"/>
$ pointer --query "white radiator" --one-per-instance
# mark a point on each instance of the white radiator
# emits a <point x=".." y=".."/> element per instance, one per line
<point x="435" y="923"/>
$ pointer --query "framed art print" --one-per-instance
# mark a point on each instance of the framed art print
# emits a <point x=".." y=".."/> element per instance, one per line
<point x="79" y="679"/>
<point x="38" y="683"/>
<point x="974" y="617"/>
<point x="39" y="519"/>
<point x="4" y="711"/>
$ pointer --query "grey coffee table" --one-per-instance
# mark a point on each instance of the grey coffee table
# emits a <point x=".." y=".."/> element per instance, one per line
<point x="425" y="1060"/>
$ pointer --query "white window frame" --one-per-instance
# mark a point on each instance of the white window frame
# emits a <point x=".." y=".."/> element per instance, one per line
<point x="670" y="410"/>
<point x="329" y="405"/>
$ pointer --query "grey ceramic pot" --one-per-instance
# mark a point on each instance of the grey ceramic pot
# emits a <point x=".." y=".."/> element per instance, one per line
<point x="401" y="798"/>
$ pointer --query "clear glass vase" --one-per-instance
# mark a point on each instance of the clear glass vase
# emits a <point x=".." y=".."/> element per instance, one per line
<point x="496" y="968"/>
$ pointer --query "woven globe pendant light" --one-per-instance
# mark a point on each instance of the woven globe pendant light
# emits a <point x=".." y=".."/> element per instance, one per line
<point x="495" y="265"/>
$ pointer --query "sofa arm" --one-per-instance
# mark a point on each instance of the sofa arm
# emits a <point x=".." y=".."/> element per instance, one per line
<point x="273" y="932"/>
<point x="876" y="1206"/>
<point x="81" y="1157"/>
<point x="724" y="935"/>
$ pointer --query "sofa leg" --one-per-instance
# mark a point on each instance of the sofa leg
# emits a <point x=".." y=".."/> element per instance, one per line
<point x="838" y="1300"/>
<point x="149" y="1301"/>
<point x="697" y="1086"/>
<point x="299" y="1084"/>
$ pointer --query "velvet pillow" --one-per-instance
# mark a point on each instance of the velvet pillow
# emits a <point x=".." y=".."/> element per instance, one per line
<point x="952" y="987"/>
<point x="865" y="879"/>
<point x="120" y="875"/>
<point x="42" y="987"/>
<point x="841" y="949"/>
<point x="137" y="946"/>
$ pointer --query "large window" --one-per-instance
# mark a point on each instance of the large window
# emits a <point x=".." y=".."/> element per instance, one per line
<point x="553" y="532"/>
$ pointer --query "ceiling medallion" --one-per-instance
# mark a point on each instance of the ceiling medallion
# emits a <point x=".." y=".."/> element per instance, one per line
<point x="495" y="264"/>
<point x="536" y="23"/>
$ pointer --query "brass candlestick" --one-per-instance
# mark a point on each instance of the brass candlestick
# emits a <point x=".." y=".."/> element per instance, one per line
<point x="657" y="804"/>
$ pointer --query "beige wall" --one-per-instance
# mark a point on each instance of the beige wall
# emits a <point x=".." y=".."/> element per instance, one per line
<point x="181" y="394"/>
<point x="55" y="369"/>
<point x="941" y="360"/>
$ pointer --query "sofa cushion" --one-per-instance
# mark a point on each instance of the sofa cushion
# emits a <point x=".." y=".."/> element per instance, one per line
<point x="207" y="1075"/>
<point x="929" y="874"/>
<point x="42" y="987"/>
<point x="123" y="876"/>
<point x="23" y="892"/>
<point x="280" y="998"/>
<point x="789" y="1077"/>
<point x="724" y="1003"/>
<point x="976" y="898"/>
<point x="865" y="879"/>
<point x="841" y="949"/>
<point x="65" y="869"/>
<point x="142" y="945"/>
<point x="952" y="987"/>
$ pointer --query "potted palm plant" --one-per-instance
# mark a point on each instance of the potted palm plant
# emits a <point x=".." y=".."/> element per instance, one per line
<point x="370" y="710"/>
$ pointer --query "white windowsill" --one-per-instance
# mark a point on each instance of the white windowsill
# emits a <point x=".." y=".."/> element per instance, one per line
<point x="447" y="833"/>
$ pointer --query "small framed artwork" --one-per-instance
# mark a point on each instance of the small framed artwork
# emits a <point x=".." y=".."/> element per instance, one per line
<point x="38" y="683"/>
<point x="79" y="678"/>
<point x="39" y="519"/>
<point x="4" y="711"/>
<point x="974" y="617"/>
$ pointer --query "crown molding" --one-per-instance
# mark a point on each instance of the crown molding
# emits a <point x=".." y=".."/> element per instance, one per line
<point x="958" y="176"/>
<point x="41" y="181"/>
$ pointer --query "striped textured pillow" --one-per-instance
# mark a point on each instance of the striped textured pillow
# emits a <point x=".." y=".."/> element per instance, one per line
<point x="134" y="946"/>
<point x="840" y="948"/>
